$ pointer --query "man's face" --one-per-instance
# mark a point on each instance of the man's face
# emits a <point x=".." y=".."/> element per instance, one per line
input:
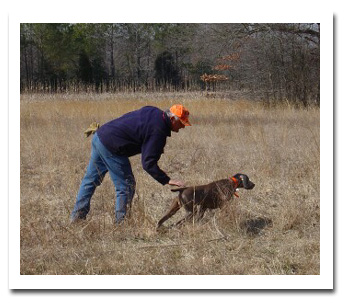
<point x="176" y="124"/>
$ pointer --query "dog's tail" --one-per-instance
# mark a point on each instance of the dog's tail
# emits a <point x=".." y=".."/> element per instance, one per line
<point x="179" y="189"/>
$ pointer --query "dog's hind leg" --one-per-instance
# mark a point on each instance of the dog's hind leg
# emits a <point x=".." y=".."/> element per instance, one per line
<point x="176" y="205"/>
<point x="193" y="213"/>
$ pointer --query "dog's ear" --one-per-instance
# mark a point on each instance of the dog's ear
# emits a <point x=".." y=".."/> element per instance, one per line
<point x="247" y="184"/>
<point x="242" y="179"/>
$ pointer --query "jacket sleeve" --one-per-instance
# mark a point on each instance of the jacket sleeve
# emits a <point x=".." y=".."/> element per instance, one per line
<point x="152" y="149"/>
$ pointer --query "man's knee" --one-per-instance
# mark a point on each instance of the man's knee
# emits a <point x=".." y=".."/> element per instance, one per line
<point x="131" y="184"/>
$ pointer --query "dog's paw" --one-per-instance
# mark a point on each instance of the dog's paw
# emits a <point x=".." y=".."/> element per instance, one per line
<point x="161" y="229"/>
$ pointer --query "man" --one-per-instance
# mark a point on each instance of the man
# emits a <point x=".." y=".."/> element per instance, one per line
<point x="142" y="131"/>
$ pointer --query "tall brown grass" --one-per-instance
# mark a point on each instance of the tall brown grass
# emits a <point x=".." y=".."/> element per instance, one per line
<point x="277" y="147"/>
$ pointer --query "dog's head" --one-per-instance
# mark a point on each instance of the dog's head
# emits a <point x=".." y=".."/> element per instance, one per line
<point x="244" y="181"/>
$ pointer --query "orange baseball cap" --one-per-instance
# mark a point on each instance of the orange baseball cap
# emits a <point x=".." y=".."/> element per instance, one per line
<point x="182" y="113"/>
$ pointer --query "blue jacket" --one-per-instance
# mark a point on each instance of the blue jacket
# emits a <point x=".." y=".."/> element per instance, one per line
<point x="142" y="131"/>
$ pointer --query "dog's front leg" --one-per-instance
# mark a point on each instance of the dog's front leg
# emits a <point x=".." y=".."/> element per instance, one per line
<point x="200" y="213"/>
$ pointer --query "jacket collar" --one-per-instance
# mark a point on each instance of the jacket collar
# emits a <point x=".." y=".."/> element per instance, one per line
<point x="168" y="123"/>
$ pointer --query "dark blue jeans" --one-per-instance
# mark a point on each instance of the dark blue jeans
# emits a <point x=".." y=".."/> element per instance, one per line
<point x="119" y="167"/>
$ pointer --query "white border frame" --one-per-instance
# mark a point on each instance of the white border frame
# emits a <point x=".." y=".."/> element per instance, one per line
<point x="322" y="281"/>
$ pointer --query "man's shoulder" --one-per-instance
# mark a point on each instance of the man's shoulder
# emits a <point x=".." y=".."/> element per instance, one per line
<point x="155" y="121"/>
<point x="150" y="108"/>
<point x="151" y="113"/>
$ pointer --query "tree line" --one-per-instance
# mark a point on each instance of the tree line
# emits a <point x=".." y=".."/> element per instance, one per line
<point x="279" y="62"/>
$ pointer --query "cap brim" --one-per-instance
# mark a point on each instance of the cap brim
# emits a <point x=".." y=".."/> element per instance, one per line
<point x="186" y="123"/>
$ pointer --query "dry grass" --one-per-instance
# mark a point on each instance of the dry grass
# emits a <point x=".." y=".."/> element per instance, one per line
<point x="277" y="147"/>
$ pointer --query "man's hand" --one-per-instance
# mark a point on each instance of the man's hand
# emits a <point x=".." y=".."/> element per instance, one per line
<point x="176" y="183"/>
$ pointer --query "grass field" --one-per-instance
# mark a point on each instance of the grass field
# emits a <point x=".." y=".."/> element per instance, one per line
<point x="277" y="147"/>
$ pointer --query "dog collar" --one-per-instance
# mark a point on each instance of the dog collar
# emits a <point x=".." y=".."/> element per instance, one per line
<point x="236" y="183"/>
